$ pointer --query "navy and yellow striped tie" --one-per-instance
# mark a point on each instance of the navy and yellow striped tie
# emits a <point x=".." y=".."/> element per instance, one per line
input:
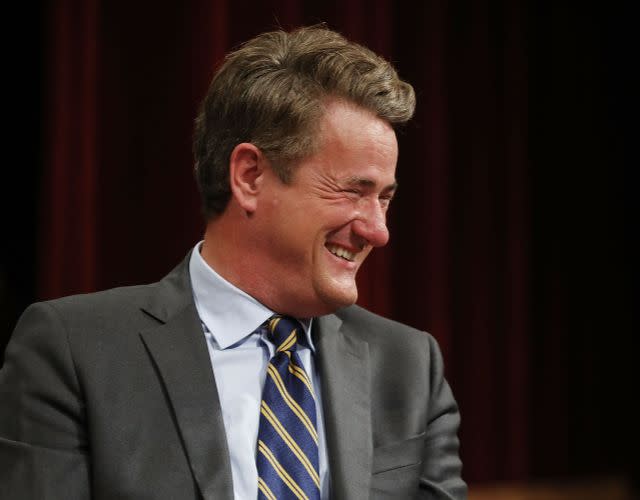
<point x="287" y="455"/>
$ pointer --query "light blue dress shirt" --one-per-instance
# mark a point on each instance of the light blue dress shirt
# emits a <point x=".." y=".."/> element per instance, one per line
<point x="239" y="357"/>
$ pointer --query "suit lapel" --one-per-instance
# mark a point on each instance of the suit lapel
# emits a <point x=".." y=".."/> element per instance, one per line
<point x="344" y="372"/>
<point x="179" y="351"/>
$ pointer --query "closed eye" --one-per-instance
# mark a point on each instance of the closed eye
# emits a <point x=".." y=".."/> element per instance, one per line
<point x="385" y="201"/>
<point x="352" y="191"/>
<point x="386" y="197"/>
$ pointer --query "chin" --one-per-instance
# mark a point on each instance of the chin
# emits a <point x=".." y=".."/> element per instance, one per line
<point x="337" y="299"/>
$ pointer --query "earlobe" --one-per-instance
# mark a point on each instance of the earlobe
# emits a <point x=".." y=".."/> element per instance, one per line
<point x="246" y="172"/>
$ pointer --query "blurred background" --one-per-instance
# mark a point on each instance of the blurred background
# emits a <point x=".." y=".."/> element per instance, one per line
<point x="513" y="232"/>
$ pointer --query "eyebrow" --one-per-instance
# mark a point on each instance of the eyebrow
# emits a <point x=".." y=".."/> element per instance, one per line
<point x="368" y="183"/>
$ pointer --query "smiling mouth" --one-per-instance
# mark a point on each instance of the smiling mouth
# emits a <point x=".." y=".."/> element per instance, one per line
<point x="341" y="252"/>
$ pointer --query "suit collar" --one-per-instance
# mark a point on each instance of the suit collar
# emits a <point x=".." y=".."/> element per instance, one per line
<point x="344" y="372"/>
<point x="178" y="350"/>
<point x="170" y="295"/>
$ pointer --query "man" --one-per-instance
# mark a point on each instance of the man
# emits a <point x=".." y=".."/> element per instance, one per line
<point x="183" y="389"/>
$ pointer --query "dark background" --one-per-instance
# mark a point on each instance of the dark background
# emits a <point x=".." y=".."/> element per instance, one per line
<point x="514" y="230"/>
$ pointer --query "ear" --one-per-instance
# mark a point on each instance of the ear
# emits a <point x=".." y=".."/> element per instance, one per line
<point x="246" y="174"/>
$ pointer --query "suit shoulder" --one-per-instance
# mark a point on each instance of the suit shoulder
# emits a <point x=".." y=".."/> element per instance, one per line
<point x="173" y="290"/>
<point x="123" y="293"/>
<point x="391" y="344"/>
<point x="127" y="297"/>
<point x="107" y="311"/>
<point x="371" y="326"/>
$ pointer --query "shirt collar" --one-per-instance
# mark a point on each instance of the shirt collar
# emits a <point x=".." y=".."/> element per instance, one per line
<point x="228" y="313"/>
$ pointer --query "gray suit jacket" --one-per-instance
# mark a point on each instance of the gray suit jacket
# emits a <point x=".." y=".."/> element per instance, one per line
<point x="111" y="395"/>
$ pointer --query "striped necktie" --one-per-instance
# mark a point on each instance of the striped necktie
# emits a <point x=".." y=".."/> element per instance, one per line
<point x="287" y="456"/>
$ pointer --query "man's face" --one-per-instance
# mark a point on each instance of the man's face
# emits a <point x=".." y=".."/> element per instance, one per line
<point x="319" y="228"/>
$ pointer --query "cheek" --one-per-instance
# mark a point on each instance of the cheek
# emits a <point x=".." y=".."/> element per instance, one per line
<point x="340" y="211"/>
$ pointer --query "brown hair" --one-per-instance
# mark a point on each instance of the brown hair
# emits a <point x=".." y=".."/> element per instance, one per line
<point x="270" y="92"/>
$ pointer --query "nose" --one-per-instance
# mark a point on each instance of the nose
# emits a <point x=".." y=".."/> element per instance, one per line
<point x="371" y="224"/>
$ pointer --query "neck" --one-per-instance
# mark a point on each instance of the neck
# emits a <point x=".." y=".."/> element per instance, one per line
<point x="224" y="248"/>
<point x="230" y="248"/>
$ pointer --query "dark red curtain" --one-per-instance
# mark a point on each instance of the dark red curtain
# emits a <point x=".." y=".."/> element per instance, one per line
<point x="510" y="234"/>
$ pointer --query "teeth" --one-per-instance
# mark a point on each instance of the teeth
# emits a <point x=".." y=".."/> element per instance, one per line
<point x="341" y="252"/>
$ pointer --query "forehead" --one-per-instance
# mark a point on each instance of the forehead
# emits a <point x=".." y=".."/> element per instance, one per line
<point x="346" y="120"/>
<point x="353" y="142"/>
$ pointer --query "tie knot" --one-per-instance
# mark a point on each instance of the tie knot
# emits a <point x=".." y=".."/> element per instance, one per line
<point x="284" y="331"/>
